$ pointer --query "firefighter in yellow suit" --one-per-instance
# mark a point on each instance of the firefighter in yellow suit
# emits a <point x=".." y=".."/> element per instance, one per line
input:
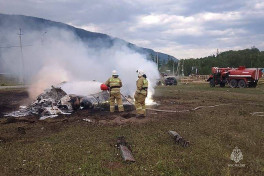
<point x="141" y="94"/>
<point x="114" y="83"/>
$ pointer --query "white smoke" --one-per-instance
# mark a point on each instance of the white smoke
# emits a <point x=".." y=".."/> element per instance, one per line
<point x="58" y="55"/>
<point x="82" y="87"/>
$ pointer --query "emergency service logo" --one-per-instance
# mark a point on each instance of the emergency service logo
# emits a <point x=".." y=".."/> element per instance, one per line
<point x="236" y="156"/>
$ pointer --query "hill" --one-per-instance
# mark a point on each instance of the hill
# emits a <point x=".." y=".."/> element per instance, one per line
<point x="92" y="39"/>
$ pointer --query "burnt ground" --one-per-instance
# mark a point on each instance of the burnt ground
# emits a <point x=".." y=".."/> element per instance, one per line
<point x="68" y="145"/>
<point x="11" y="99"/>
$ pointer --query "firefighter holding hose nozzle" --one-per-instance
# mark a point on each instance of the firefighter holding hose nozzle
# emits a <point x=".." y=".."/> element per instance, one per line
<point x="114" y="83"/>
<point x="141" y="94"/>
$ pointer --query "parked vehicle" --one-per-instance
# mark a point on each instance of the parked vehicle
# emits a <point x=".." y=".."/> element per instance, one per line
<point x="236" y="77"/>
<point x="170" y="80"/>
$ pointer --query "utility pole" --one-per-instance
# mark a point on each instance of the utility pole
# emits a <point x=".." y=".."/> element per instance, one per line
<point x="178" y="68"/>
<point x="173" y="69"/>
<point x="22" y="59"/>
<point x="158" y="60"/>
<point x="182" y="68"/>
<point x="42" y="37"/>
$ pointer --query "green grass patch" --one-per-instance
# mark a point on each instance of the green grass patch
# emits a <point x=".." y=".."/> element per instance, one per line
<point x="81" y="148"/>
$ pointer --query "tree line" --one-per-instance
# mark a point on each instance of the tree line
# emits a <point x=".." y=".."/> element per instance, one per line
<point x="250" y="58"/>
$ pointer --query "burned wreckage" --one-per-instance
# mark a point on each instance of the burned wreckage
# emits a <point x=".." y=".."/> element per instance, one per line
<point x="55" y="101"/>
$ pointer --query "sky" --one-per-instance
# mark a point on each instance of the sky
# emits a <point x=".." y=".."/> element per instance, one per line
<point x="182" y="28"/>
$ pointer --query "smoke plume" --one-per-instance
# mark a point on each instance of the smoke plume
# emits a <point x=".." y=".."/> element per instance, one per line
<point x="57" y="55"/>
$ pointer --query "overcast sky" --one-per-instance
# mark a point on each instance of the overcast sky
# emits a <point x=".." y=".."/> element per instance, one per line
<point x="182" y="28"/>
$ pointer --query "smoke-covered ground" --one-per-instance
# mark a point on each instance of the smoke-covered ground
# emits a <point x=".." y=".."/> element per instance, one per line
<point x="57" y="55"/>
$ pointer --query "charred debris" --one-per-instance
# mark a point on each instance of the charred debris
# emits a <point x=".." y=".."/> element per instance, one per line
<point x="55" y="101"/>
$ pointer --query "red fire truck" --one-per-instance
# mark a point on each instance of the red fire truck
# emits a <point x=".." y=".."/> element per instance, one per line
<point x="236" y="77"/>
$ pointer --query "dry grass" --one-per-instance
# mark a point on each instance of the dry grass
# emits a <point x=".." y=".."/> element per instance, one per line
<point x="80" y="148"/>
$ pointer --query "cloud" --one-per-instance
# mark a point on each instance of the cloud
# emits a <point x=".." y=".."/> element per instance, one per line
<point x="259" y="5"/>
<point x="178" y="27"/>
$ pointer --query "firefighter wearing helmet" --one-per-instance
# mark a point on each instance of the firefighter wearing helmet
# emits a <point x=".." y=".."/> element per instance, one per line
<point x="141" y="94"/>
<point x="114" y="84"/>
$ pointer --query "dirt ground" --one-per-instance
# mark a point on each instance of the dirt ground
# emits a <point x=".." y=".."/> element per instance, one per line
<point x="11" y="99"/>
<point x="70" y="145"/>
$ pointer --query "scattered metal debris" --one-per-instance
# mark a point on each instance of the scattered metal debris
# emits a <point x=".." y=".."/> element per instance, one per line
<point x="125" y="149"/>
<point x="46" y="117"/>
<point x="45" y="104"/>
<point x="20" y="113"/>
<point x="55" y="101"/>
<point x="178" y="139"/>
<point x="261" y="114"/>
<point x="88" y="120"/>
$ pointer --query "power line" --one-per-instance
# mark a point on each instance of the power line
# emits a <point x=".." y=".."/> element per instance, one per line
<point x="18" y="46"/>
<point x="14" y="46"/>
<point x="22" y="58"/>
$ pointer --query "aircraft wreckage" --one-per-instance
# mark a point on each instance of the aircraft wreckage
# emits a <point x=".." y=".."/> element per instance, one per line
<point x="55" y="101"/>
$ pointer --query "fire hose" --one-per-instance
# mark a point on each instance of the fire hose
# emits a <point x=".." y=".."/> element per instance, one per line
<point x="194" y="109"/>
<point x="127" y="99"/>
<point x="170" y="111"/>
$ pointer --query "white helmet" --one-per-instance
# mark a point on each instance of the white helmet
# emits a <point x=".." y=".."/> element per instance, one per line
<point x="140" y="72"/>
<point x="114" y="73"/>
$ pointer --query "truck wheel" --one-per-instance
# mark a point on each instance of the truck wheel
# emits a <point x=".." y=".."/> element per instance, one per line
<point x="242" y="84"/>
<point x="233" y="83"/>
<point x="222" y="84"/>
<point x="254" y="84"/>
<point x="212" y="83"/>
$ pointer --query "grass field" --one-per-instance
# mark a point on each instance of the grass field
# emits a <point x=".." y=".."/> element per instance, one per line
<point x="8" y="80"/>
<point x="75" y="147"/>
